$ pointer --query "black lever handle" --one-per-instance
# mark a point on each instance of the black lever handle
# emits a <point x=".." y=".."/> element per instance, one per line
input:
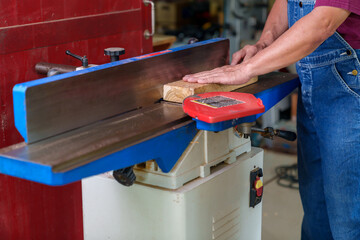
<point x="290" y="136"/>
<point x="84" y="60"/>
<point x="269" y="132"/>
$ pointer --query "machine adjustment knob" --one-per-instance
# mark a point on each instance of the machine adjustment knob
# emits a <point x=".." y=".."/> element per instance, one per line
<point x="125" y="176"/>
<point x="114" y="53"/>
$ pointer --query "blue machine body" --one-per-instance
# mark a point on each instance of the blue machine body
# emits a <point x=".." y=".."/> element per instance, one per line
<point x="20" y="89"/>
<point x="166" y="149"/>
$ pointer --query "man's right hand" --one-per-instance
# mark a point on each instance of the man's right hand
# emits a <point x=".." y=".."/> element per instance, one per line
<point x="276" y="25"/>
<point x="245" y="53"/>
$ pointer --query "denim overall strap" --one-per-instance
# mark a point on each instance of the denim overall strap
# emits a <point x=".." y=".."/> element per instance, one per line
<point x="328" y="136"/>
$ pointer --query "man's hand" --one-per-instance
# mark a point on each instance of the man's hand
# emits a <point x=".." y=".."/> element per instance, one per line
<point x="275" y="26"/>
<point x="229" y="74"/>
<point x="224" y="75"/>
<point x="246" y="53"/>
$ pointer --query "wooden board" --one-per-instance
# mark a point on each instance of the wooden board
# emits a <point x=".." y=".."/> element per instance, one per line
<point x="179" y="90"/>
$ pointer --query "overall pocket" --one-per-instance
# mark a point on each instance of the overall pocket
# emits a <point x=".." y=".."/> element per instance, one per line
<point x="348" y="73"/>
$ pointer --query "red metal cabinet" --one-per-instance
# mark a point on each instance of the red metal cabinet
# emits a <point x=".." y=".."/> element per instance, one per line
<point x="35" y="31"/>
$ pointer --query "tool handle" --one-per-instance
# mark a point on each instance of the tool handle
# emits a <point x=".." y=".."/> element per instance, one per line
<point x="83" y="59"/>
<point x="147" y="33"/>
<point x="44" y="68"/>
<point x="269" y="132"/>
<point x="290" y="136"/>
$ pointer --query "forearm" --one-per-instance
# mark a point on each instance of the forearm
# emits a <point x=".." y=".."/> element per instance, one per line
<point x="299" y="41"/>
<point x="276" y="24"/>
<point x="294" y="44"/>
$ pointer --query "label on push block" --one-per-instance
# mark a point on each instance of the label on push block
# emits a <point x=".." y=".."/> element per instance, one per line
<point x="218" y="101"/>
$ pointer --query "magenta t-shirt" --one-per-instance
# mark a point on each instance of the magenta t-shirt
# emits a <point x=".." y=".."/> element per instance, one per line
<point x="350" y="29"/>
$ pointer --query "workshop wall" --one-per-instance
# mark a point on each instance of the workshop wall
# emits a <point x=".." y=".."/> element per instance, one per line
<point x="41" y="31"/>
<point x="189" y="18"/>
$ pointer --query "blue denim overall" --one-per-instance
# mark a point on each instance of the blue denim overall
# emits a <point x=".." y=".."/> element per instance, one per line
<point x="328" y="136"/>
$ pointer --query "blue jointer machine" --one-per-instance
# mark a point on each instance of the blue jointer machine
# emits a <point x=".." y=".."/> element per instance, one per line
<point x="112" y="116"/>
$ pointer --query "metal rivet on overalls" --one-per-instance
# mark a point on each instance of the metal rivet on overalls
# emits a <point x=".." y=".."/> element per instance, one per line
<point x="354" y="72"/>
<point x="300" y="4"/>
<point x="348" y="52"/>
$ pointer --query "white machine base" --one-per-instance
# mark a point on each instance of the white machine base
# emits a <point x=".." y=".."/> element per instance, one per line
<point x="206" y="150"/>
<point x="213" y="207"/>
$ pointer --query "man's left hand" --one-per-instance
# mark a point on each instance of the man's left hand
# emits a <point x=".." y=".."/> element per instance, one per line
<point x="224" y="75"/>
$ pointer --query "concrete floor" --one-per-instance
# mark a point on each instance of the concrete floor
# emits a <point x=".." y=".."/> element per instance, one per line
<point x="282" y="210"/>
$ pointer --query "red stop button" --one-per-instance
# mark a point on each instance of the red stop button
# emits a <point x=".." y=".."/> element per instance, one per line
<point x="258" y="185"/>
